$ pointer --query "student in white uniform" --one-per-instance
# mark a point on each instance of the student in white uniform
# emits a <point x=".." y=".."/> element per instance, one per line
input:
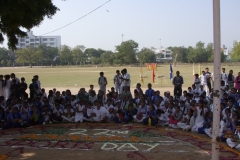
<point x="7" y="85"/>
<point x="126" y="79"/>
<point x="102" y="81"/>
<point x="79" y="112"/>
<point x="142" y="110"/>
<point x="197" y="81"/>
<point x="68" y="114"/>
<point x="117" y="81"/>
<point x="88" y="113"/>
<point x="224" y="76"/>
<point x="199" y="115"/>
<point x="203" y="79"/>
<point x="100" y="113"/>
<point x="187" y="121"/>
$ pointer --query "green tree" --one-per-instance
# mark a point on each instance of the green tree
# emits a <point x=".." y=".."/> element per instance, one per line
<point x="49" y="53"/>
<point x="78" y="55"/>
<point x="128" y="50"/>
<point x="197" y="54"/>
<point x="95" y="60"/>
<point x="146" y="55"/>
<point x="181" y="53"/>
<point x="107" y="57"/>
<point x="91" y="52"/>
<point x="29" y="55"/>
<point x="3" y="62"/>
<point x="236" y="52"/>
<point x="3" y="54"/>
<point x="65" y="55"/>
<point x="19" y="14"/>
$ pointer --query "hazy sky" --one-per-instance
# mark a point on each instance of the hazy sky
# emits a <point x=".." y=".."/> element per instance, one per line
<point x="175" y="22"/>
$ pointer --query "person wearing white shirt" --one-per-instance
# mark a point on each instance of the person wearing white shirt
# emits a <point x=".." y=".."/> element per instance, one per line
<point x="57" y="114"/>
<point x="126" y="79"/>
<point x="197" y="81"/>
<point x="102" y="81"/>
<point x="88" y="115"/>
<point x="100" y="114"/>
<point x="38" y="82"/>
<point x="68" y="114"/>
<point x="142" y="110"/>
<point x="209" y="78"/>
<point x="224" y="76"/>
<point x="204" y="82"/>
<point x="187" y="121"/>
<point x="117" y="81"/>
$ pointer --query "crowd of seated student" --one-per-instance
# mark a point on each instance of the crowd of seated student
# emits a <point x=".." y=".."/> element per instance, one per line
<point x="193" y="111"/>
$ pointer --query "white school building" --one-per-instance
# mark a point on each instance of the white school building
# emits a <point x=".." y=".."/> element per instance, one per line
<point x="35" y="41"/>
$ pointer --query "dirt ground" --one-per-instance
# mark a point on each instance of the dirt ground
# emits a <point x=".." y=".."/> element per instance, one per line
<point x="106" y="142"/>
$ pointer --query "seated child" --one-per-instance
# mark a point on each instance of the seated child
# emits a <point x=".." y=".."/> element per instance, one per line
<point x="46" y="115"/>
<point x="34" y="116"/>
<point x="119" y="116"/>
<point x="24" y="111"/>
<point x="151" y="114"/>
<point x="199" y="116"/>
<point x="68" y="114"/>
<point x="207" y="123"/>
<point x="231" y="140"/>
<point x="79" y="112"/>
<point x="162" y="118"/>
<point x="88" y="113"/>
<point x="57" y="114"/>
<point x="129" y="113"/>
<point x="100" y="113"/>
<point x="142" y="110"/>
<point x="110" y="108"/>
<point x="14" y="119"/>
<point x="187" y="121"/>
<point x="175" y="118"/>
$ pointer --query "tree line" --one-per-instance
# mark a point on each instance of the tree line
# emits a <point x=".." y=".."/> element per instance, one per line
<point x="125" y="53"/>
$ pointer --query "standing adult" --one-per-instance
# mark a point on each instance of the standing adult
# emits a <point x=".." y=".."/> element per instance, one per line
<point x="13" y="76"/>
<point x="208" y="76"/>
<point x="177" y="82"/>
<point x="224" y="76"/>
<point x="22" y="86"/>
<point x="38" y="83"/>
<point x="203" y="79"/>
<point x="237" y="82"/>
<point x="230" y="79"/>
<point x="7" y="85"/>
<point x="126" y="79"/>
<point x="102" y="81"/>
<point x="121" y="82"/>
<point x="33" y="87"/>
<point x="117" y="81"/>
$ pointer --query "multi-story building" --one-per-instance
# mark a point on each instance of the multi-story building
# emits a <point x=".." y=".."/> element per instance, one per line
<point x="162" y="54"/>
<point x="35" y="41"/>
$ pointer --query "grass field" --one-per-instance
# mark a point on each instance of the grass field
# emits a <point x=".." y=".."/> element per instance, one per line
<point x="76" y="77"/>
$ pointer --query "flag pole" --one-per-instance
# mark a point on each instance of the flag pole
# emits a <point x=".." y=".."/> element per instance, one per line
<point x="217" y="79"/>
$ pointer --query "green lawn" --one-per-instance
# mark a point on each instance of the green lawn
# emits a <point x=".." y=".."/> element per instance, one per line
<point x="69" y="77"/>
